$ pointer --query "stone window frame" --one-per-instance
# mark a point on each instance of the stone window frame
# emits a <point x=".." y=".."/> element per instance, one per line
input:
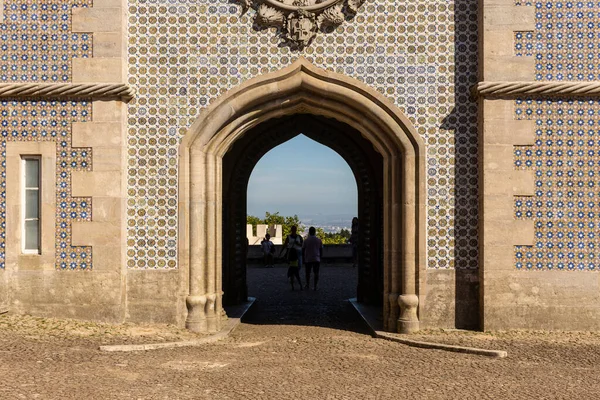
<point x="25" y="188"/>
<point x="16" y="259"/>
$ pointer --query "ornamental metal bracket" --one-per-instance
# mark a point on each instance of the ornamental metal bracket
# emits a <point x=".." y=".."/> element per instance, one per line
<point x="299" y="20"/>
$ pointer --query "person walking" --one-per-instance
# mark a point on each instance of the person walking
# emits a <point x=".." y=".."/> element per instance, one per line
<point x="293" y="241"/>
<point x="268" y="249"/>
<point x="354" y="241"/>
<point x="294" y="267"/>
<point x="313" y="251"/>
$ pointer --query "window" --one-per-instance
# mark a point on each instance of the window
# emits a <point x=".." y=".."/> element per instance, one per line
<point x="31" y="204"/>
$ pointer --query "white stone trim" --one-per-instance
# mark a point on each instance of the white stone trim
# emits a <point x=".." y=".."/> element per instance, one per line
<point x="24" y="188"/>
<point x="106" y="21"/>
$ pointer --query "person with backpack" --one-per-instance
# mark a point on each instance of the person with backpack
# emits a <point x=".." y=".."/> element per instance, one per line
<point x="293" y="241"/>
<point x="268" y="249"/>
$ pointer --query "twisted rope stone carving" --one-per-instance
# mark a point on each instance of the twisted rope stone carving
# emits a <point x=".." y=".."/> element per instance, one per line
<point x="537" y="89"/>
<point x="67" y="90"/>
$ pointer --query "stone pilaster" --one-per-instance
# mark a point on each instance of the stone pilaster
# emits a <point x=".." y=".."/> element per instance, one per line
<point x="106" y="136"/>
<point x="106" y="185"/>
<point x="106" y="21"/>
<point x="499" y="132"/>
<point x="499" y="20"/>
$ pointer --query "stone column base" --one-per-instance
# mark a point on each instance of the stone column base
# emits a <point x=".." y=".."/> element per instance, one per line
<point x="408" y="321"/>
<point x="203" y="315"/>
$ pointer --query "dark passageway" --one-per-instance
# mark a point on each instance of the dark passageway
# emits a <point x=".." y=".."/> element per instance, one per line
<point x="363" y="160"/>
<point x="328" y="307"/>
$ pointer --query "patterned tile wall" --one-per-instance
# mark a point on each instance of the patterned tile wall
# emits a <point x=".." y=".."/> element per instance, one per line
<point x="51" y="121"/>
<point x="565" y="41"/>
<point x="37" y="45"/>
<point x="36" y="41"/>
<point x="421" y="54"/>
<point x="566" y="161"/>
<point x="566" y="154"/>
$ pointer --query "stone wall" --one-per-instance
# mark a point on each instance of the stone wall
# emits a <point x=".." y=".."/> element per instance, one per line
<point x="524" y="253"/>
<point x="421" y="55"/>
<point x="64" y="62"/>
<point x="548" y="279"/>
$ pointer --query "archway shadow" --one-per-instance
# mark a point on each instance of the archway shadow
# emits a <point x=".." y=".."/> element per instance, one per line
<point x="276" y="304"/>
<point x="327" y="307"/>
<point x="462" y="121"/>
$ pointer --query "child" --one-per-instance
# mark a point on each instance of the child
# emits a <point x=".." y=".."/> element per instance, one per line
<point x="268" y="249"/>
<point x="294" y="268"/>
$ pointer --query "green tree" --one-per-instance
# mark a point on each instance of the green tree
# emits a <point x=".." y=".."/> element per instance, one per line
<point x="286" y="222"/>
<point x="345" y="233"/>
<point x="333" y="237"/>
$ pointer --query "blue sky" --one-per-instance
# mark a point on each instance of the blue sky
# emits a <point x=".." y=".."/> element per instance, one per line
<point x="302" y="177"/>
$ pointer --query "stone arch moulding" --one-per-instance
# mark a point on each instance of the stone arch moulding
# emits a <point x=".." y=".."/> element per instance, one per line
<point x="302" y="88"/>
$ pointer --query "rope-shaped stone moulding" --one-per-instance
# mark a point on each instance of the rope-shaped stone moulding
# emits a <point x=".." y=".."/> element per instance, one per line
<point x="67" y="90"/>
<point x="537" y="89"/>
<point x="299" y="20"/>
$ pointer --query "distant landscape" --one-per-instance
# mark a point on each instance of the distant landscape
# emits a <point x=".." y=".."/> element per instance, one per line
<point x="331" y="228"/>
<point x="330" y="223"/>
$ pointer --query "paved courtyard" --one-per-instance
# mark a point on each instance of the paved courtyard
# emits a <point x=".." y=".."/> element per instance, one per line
<point x="292" y="345"/>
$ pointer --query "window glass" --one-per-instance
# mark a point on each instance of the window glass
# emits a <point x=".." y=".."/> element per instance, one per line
<point x="32" y="235"/>
<point x="31" y="204"/>
<point x="32" y="171"/>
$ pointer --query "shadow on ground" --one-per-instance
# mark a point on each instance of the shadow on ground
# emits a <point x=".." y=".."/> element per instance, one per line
<point x="277" y="304"/>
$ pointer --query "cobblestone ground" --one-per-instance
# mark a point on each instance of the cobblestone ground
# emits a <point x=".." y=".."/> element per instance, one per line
<point x="292" y="345"/>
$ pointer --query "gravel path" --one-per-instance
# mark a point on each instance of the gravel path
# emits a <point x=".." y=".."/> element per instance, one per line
<point x="292" y="345"/>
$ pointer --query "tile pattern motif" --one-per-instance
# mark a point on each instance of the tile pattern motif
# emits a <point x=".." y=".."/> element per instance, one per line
<point x="566" y="154"/>
<point x="565" y="41"/>
<point x="184" y="54"/>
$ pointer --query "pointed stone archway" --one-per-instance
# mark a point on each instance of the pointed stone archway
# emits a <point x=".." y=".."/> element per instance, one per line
<point x="302" y="88"/>
<point x="364" y="162"/>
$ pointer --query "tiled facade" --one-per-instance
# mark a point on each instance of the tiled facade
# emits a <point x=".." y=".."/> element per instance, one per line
<point x="180" y="56"/>
<point x="36" y="41"/>
<point x="183" y="56"/>
<point x="566" y="161"/>
<point x="566" y="154"/>
<point x="421" y="55"/>
<point x="565" y="41"/>
<point x="51" y="121"/>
